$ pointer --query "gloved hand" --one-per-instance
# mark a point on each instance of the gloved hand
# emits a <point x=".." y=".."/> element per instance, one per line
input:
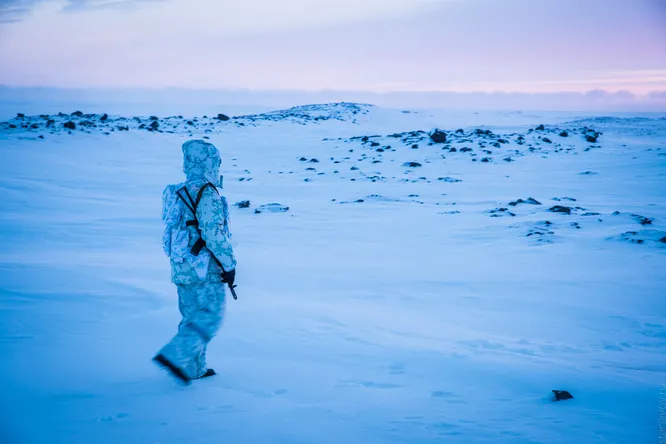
<point x="229" y="277"/>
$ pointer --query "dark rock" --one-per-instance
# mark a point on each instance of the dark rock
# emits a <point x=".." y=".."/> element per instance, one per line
<point x="590" y="213"/>
<point x="303" y="159"/>
<point x="486" y="159"/>
<point x="104" y="118"/>
<point x="359" y="201"/>
<point x="499" y="212"/>
<point x="70" y="125"/>
<point x="502" y="141"/>
<point x="153" y="118"/>
<point x="243" y="204"/>
<point x="271" y="208"/>
<point x="547" y="140"/>
<point x="540" y="128"/>
<point x="314" y="160"/>
<point x="564" y="134"/>
<point x="415" y="146"/>
<point x="465" y="150"/>
<point x="380" y="150"/>
<point x="34" y="126"/>
<point x="411" y="164"/>
<point x="663" y="240"/>
<point x="374" y="144"/>
<point x="20" y="116"/>
<point x="310" y="169"/>
<point x="189" y="122"/>
<point x="354" y="168"/>
<point x="642" y="219"/>
<point x="365" y="139"/>
<point x="12" y="126"/>
<point x="77" y="114"/>
<point x="508" y="159"/>
<point x="460" y="131"/>
<point x="530" y="201"/>
<point x="438" y="136"/>
<point x="154" y="125"/>
<point x="222" y="117"/>
<point x="480" y="132"/>
<point x="560" y="209"/>
<point x="591" y="139"/>
<point x="561" y="395"/>
<point x="453" y="150"/>
<point x="449" y="179"/>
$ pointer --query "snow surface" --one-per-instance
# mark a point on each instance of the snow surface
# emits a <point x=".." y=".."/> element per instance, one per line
<point x="388" y="304"/>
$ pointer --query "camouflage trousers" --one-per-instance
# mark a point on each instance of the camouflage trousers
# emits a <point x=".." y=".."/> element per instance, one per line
<point x="202" y="307"/>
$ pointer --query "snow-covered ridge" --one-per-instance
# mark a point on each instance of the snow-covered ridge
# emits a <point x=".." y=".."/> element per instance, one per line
<point x="78" y="121"/>
<point x="342" y="111"/>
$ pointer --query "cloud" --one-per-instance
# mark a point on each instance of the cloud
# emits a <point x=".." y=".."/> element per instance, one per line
<point x="12" y="11"/>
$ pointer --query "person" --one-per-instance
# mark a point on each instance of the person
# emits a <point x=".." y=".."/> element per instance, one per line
<point x="196" y="240"/>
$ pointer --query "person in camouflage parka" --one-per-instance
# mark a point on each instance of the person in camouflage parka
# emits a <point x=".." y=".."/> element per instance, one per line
<point x="199" y="279"/>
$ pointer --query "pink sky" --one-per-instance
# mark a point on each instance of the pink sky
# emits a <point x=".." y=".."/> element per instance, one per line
<point x="370" y="45"/>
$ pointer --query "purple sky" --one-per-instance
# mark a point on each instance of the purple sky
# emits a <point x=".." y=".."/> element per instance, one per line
<point x="371" y="45"/>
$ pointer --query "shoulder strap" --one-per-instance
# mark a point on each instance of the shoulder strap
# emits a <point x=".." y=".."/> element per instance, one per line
<point x="189" y="203"/>
<point x="200" y="195"/>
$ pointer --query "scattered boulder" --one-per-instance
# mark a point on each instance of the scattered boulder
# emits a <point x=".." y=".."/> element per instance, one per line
<point x="449" y="179"/>
<point x="12" y="126"/>
<point x="314" y="160"/>
<point x="303" y="159"/>
<point x="486" y="159"/>
<point x="70" y="125"/>
<point x="560" y="209"/>
<point x="271" y="208"/>
<point x="415" y="146"/>
<point x="412" y="164"/>
<point x="104" y="118"/>
<point x="561" y="395"/>
<point x="540" y="128"/>
<point x="77" y="114"/>
<point x="20" y="116"/>
<point x="374" y="144"/>
<point x="222" y="117"/>
<point x="466" y="150"/>
<point x="154" y="125"/>
<point x="460" y="131"/>
<point x="438" y="136"/>
<point x="591" y="135"/>
<point x="564" y="134"/>
<point x="642" y="219"/>
<point x="530" y="201"/>
<point x="153" y="118"/>
<point x="499" y="212"/>
<point x="547" y="140"/>
<point x="663" y="240"/>
<point x="243" y="204"/>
